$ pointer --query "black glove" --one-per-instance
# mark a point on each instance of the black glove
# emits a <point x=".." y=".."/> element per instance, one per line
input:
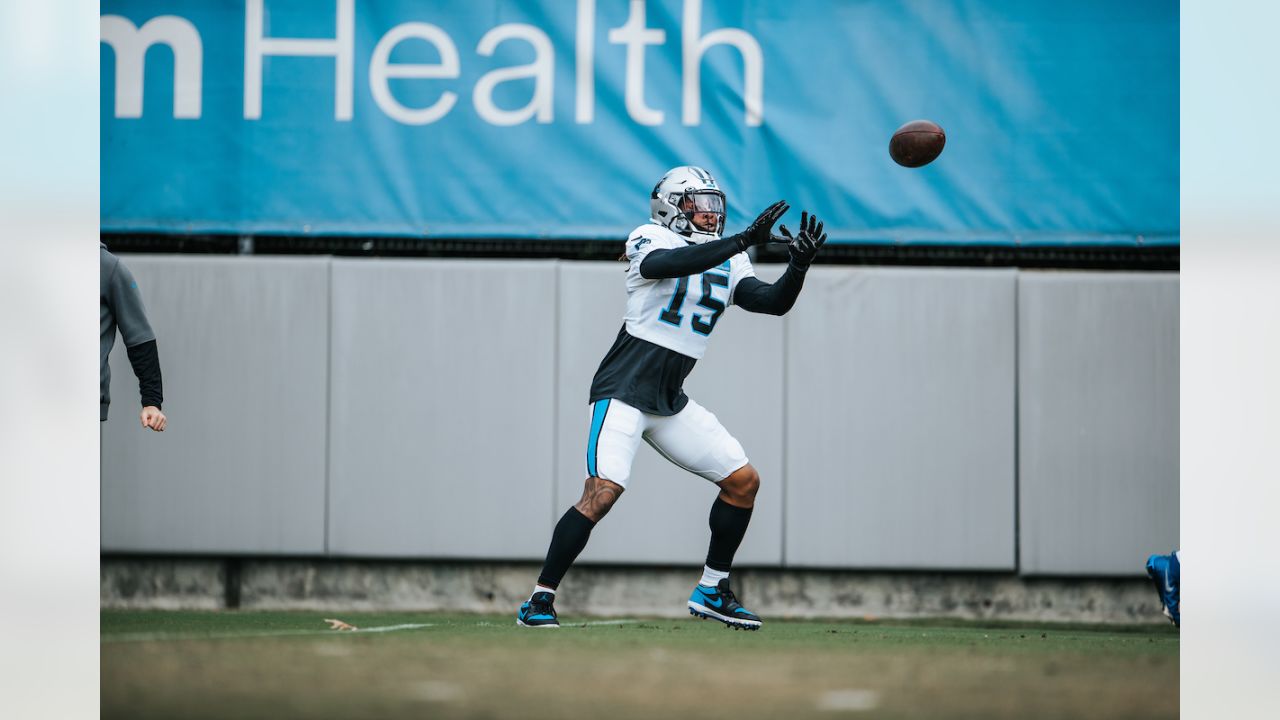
<point x="803" y="247"/>
<point x="760" y="231"/>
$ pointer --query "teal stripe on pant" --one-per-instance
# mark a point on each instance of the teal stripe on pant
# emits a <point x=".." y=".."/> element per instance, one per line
<point x="597" y="421"/>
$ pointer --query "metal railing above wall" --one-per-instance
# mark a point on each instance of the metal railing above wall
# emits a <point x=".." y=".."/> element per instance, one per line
<point x="1155" y="258"/>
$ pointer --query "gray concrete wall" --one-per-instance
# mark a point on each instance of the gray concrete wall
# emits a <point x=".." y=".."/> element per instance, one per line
<point x="1097" y="420"/>
<point x="244" y="346"/>
<point x="442" y="396"/>
<point x="900" y="418"/>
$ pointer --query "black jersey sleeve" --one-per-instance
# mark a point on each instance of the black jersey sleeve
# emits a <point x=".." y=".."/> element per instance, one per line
<point x="757" y="296"/>
<point x="679" y="262"/>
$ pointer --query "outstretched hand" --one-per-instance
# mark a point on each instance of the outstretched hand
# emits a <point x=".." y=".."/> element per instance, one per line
<point x="760" y="231"/>
<point x="804" y="247"/>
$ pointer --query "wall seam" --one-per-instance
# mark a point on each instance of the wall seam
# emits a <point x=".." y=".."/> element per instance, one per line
<point x="786" y="422"/>
<point x="1017" y="422"/>
<point x="328" y="400"/>
<point x="555" y="392"/>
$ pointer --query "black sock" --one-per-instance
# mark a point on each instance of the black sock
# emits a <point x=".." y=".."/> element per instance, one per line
<point x="728" y="525"/>
<point x="568" y="539"/>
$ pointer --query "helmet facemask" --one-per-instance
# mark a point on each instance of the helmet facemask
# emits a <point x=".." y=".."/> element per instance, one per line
<point x="703" y="213"/>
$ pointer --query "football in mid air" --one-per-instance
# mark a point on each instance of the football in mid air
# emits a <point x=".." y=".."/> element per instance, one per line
<point x="917" y="143"/>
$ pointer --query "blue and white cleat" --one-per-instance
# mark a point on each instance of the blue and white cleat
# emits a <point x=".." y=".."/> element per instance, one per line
<point x="719" y="603"/>
<point x="538" y="611"/>
<point x="1164" y="571"/>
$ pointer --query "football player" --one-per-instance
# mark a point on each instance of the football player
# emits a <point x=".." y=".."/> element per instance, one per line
<point x="681" y="277"/>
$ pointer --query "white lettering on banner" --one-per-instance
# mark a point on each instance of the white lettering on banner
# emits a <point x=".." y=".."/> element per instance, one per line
<point x="585" y="58"/>
<point x="542" y="70"/>
<point x="693" y="48"/>
<point x="130" y="46"/>
<point x="635" y="36"/>
<point x="381" y="69"/>
<point x="341" y="48"/>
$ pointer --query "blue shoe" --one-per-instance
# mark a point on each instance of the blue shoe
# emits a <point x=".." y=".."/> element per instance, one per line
<point x="538" y="611"/>
<point x="718" y="603"/>
<point x="1164" y="571"/>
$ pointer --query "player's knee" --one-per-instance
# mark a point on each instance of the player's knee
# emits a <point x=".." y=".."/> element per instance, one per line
<point x="598" y="497"/>
<point x="743" y="484"/>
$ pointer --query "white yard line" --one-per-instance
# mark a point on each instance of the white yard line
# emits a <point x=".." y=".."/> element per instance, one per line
<point x="393" y="628"/>
<point x="159" y="636"/>
<point x="238" y="634"/>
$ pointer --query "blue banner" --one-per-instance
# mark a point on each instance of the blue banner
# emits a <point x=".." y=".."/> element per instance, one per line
<point x="554" y="118"/>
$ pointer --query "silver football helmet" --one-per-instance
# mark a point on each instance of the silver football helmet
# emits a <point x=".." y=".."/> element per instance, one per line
<point x="682" y="194"/>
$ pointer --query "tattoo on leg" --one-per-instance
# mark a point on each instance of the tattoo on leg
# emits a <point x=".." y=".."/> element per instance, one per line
<point x="598" y="496"/>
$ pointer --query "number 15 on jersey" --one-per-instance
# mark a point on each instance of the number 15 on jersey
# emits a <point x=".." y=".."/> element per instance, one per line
<point x="699" y="323"/>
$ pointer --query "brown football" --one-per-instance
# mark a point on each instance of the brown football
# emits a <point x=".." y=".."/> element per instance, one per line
<point x="917" y="143"/>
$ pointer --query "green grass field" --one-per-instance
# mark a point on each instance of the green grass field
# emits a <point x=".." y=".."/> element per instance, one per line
<point x="238" y="664"/>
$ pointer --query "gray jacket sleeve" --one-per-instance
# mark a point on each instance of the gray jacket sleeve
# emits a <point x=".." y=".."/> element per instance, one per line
<point x="126" y="306"/>
<point x="139" y="340"/>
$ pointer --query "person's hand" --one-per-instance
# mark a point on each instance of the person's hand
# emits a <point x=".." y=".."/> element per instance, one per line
<point x="803" y="247"/>
<point x="153" y="418"/>
<point x="760" y="231"/>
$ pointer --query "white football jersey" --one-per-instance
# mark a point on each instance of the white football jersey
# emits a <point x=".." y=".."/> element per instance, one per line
<point x="677" y="313"/>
